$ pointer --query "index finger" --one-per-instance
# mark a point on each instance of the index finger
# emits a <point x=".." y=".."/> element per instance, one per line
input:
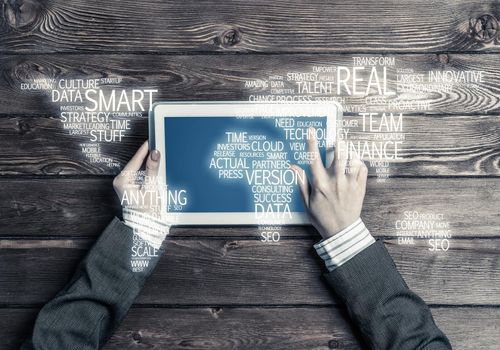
<point x="317" y="168"/>
<point x="135" y="163"/>
<point x="339" y="163"/>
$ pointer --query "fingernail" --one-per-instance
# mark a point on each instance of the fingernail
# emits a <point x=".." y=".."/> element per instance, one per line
<point x="155" y="155"/>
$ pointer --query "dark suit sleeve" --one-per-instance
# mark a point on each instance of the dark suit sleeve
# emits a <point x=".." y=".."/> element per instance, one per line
<point x="90" y="307"/>
<point x="387" y="312"/>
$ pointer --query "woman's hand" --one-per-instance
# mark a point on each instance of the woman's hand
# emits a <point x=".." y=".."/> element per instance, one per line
<point x="140" y="190"/>
<point x="141" y="194"/>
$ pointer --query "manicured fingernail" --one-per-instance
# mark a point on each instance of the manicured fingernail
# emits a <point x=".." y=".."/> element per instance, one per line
<point x="155" y="155"/>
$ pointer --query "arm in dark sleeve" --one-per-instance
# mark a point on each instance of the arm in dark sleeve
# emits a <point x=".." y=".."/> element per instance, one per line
<point x="387" y="312"/>
<point x="86" y="312"/>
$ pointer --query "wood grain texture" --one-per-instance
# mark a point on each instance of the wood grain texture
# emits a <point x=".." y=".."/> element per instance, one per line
<point x="53" y="207"/>
<point x="241" y="26"/>
<point x="257" y="328"/>
<point x="433" y="146"/>
<point x="83" y="207"/>
<point x="320" y="328"/>
<point x="222" y="77"/>
<point x="249" y="272"/>
<point x="220" y="287"/>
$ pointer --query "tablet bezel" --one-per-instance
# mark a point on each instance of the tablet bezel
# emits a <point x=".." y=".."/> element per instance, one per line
<point x="160" y="110"/>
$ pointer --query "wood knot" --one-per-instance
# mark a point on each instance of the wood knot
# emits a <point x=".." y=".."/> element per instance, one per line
<point x="21" y="14"/>
<point x="230" y="38"/>
<point x="444" y="58"/>
<point x="228" y="246"/>
<point x="23" y="127"/>
<point x="484" y="28"/>
<point x="137" y="337"/>
<point x="215" y="311"/>
<point x="333" y="344"/>
<point x="29" y="72"/>
<point x="231" y="245"/>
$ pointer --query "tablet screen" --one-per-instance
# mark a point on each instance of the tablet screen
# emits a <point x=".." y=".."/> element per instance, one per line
<point x="238" y="164"/>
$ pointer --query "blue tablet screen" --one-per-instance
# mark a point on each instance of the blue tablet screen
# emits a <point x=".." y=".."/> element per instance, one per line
<point x="233" y="164"/>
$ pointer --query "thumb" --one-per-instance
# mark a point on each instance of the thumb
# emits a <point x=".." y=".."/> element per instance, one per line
<point x="152" y="164"/>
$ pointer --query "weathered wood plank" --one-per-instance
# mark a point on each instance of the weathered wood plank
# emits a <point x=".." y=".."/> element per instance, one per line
<point x="433" y="146"/>
<point x="83" y="207"/>
<point x="56" y="206"/>
<point x="242" y="26"/>
<point x="249" y="272"/>
<point x="211" y="328"/>
<point x="251" y="328"/>
<point x="223" y="77"/>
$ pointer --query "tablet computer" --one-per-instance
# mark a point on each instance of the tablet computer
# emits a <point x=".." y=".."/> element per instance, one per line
<point x="228" y="163"/>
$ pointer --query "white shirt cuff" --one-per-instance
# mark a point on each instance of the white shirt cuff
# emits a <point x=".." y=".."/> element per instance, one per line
<point x="344" y="245"/>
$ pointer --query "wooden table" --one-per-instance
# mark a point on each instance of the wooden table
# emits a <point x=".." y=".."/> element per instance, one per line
<point x="221" y="288"/>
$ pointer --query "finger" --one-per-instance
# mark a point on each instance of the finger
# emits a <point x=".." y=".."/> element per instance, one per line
<point x="317" y="168"/>
<point x="138" y="158"/>
<point x="335" y="157"/>
<point x="135" y="163"/>
<point x="362" y="175"/>
<point x="354" y="154"/>
<point x="354" y="166"/>
<point x="152" y="164"/>
<point x="303" y="184"/>
<point x="340" y="159"/>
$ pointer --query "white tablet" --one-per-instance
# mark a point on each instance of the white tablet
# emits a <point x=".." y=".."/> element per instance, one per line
<point x="227" y="163"/>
